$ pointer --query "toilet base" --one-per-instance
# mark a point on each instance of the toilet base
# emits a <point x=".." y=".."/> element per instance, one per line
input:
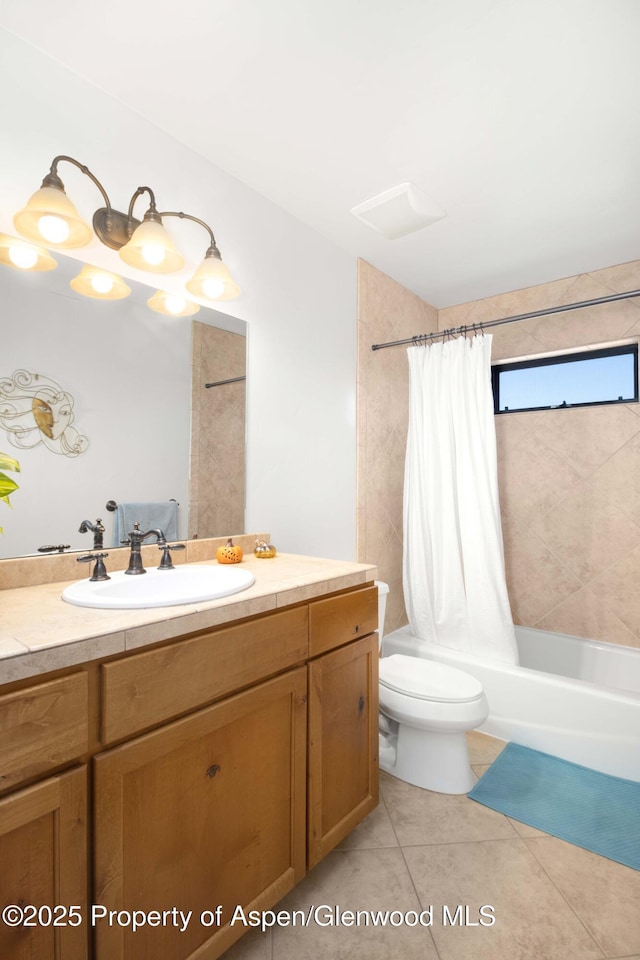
<point x="433" y="761"/>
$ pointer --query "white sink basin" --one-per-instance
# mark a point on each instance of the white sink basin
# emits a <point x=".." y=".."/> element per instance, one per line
<point x="191" y="583"/>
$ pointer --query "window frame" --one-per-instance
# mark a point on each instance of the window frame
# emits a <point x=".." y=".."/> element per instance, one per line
<point x="629" y="348"/>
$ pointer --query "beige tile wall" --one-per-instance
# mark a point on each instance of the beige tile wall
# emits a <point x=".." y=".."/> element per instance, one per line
<point x="569" y="479"/>
<point x="217" y="476"/>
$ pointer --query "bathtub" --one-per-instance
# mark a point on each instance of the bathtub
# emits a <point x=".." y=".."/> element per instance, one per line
<point x="573" y="698"/>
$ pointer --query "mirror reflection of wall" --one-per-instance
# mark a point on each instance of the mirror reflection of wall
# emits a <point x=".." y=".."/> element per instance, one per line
<point x="216" y="508"/>
<point x="129" y="372"/>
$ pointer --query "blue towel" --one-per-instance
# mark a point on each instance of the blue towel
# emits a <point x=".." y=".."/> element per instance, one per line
<point x="150" y="516"/>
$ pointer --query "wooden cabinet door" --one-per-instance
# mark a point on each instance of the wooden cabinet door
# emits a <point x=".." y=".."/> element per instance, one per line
<point x="207" y="811"/>
<point x="343" y="743"/>
<point x="43" y="863"/>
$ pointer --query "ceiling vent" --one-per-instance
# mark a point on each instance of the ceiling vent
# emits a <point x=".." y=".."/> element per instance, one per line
<point x="398" y="211"/>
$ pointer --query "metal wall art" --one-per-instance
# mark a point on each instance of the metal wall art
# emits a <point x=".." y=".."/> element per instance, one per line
<point x="35" y="409"/>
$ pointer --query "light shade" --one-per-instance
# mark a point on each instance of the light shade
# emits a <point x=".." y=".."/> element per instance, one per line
<point x="50" y="217"/>
<point x="99" y="284"/>
<point x="24" y="256"/>
<point x="212" y="281"/>
<point x="172" y="305"/>
<point x="151" y="248"/>
<point x="398" y="211"/>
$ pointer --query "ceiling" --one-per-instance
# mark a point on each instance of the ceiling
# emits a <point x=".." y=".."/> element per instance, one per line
<point x="518" y="117"/>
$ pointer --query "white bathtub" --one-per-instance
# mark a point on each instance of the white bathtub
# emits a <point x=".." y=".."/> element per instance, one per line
<point x="573" y="698"/>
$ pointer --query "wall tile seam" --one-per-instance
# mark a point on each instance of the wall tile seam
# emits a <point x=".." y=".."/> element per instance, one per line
<point x="633" y="638"/>
<point x="584" y="583"/>
<point x="537" y="624"/>
<point x="559" y="559"/>
<point x="615" y="453"/>
<point x="614" y="289"/>
<point x="592" y="471"/>
<point x="576" y="575"/>
<point x="475" y="305"/>
<point x="598" y="494"/>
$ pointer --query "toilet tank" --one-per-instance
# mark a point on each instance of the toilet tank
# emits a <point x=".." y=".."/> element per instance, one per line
<point x="383" y="590"/>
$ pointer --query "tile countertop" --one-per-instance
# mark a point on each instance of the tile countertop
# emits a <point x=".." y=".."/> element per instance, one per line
<point x="40" y="632"/>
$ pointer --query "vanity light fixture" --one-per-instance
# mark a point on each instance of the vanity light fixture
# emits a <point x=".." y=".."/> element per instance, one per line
<point x="212" y="280"/>
<point x="99" y="284"/>
<point x="50" y="217"/>
<point x="172" y="305"/>
<point x="24" y="256"/>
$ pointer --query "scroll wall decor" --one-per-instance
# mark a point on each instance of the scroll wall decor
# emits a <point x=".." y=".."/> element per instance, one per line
<point x="35" y="409"/>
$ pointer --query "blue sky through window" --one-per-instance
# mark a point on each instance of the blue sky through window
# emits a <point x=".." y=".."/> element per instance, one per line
<point x="592" y="380"/>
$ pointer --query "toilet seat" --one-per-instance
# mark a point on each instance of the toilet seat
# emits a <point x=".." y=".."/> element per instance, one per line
<point x="428" y="680"/>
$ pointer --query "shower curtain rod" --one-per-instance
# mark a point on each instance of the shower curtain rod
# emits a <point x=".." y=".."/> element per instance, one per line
<point x="421" y="337"/>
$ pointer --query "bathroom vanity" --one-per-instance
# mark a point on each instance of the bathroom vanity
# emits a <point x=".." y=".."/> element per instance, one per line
<point x="190" y="759"/>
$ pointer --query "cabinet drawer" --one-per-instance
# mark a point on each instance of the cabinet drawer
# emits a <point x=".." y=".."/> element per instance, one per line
<point x="42" y="727"/>
<point x="149" y="688"/>
<point x="339" y="620"/>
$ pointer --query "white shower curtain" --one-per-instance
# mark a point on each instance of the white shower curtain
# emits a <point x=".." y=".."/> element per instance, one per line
<point x="453" y="565"/>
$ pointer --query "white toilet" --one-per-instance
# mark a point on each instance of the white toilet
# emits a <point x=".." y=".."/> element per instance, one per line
<point x="426" y="708"/>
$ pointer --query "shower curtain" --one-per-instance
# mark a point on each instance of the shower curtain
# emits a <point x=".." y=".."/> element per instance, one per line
<point x="453" y="564"/>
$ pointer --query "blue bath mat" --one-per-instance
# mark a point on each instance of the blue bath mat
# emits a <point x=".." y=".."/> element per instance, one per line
<point x="590" y="809"/>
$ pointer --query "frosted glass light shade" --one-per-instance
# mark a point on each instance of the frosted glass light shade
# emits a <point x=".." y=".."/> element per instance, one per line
<point x="212" y="281"/>
<point x="50" y="216"/>
<point x="24" y="256"/>
<point x="151" y="248"/>
<point x="172" y="305"/>
<point x="99" y="284"/>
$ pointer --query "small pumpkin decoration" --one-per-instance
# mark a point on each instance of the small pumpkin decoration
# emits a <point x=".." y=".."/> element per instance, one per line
<point x="229" y="553"/>
<point x="264" y="550"/>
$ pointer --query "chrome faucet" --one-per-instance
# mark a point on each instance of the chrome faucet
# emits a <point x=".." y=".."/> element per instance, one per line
<point x="136" y="538"/>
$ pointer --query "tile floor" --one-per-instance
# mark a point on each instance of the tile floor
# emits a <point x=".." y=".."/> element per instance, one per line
<point x="551" y="900"/>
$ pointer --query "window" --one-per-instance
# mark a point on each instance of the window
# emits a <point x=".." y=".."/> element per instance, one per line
<point x="569" y="380"/>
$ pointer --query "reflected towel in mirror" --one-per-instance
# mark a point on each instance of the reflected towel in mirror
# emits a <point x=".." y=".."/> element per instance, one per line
<point x="161" y="514"/>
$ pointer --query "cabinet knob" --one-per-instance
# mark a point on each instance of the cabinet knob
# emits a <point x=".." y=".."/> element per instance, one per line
<point x="361" y="703"/>
<point x="211" y="772"/>
<point x="356" y="629"/>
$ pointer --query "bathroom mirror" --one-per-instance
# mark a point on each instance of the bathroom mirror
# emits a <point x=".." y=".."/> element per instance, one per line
<point x="133" y="419"/>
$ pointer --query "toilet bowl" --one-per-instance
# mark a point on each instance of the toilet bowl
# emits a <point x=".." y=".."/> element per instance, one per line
<point x="426" y="708"/>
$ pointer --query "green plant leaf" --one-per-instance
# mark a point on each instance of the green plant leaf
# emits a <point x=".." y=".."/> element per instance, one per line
<point x="7" y="486"/>
<point x="8" y="463"/>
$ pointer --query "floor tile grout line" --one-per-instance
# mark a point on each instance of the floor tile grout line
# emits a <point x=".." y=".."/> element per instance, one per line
<point x="406" y="866"/>
<point x="523" y="841"/>
<point x="560" y="892"/>
<point x="419" y="899"/>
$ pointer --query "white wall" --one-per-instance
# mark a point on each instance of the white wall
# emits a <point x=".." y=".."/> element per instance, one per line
<point x="298" y="290"/>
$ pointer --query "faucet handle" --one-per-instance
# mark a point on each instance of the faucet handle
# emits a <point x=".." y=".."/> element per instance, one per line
<point x="166" y="563"/>
<point x="99" y="571"/>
